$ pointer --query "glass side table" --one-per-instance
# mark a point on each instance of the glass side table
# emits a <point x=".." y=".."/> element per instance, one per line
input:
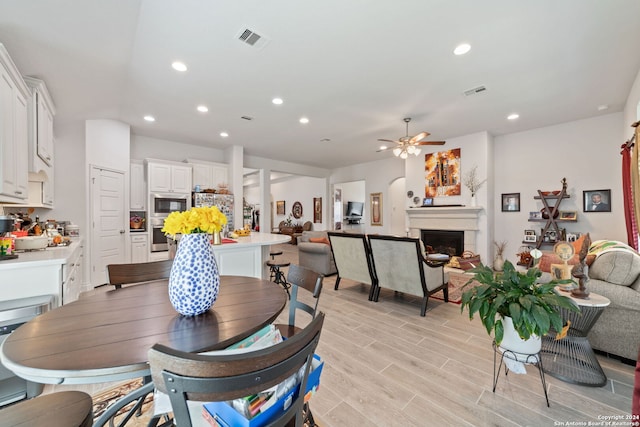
<point x="572" y="359"/>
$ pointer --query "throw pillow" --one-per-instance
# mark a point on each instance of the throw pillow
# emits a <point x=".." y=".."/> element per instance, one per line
<point x="319" y="240"/>
<point x="550" y="258"/>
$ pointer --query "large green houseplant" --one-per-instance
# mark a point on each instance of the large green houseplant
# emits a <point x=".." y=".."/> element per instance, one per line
<point x="532" y="307"/>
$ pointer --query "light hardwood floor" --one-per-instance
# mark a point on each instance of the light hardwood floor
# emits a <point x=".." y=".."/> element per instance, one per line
<point x="387" y="366"/>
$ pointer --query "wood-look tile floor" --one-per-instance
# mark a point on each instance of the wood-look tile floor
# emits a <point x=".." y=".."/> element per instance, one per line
<point x="387" y="366"/>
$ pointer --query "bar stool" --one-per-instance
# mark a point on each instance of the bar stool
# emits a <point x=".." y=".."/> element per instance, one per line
<point x="274" y="254"/>
<point x="277" y="275"/>
<point x="61" y="409"/>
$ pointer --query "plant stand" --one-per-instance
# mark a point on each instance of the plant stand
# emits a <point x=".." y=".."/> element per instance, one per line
<point x="527" y="359"/>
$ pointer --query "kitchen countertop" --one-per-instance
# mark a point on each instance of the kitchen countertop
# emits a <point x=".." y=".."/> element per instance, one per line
<point x="53" y="255"/>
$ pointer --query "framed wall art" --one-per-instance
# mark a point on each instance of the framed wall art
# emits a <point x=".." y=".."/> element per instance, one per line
<point x="376" y="208"/>
<point x="568" y="215"/>
<point x="317" y="210"/>
<point x="280" y="207"/>
<point x="597" y="200"/>
<point x="296" y="210"/>
<point x="511" y="202"/>
<point x="442" y="173"/>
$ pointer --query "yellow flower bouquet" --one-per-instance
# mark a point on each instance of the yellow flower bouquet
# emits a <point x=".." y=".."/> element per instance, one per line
<point x="196" y="220"/>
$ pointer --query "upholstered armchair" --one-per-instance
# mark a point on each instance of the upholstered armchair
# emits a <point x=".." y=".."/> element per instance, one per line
<point x="400" y="265"/>
<point x="353" y="259"/>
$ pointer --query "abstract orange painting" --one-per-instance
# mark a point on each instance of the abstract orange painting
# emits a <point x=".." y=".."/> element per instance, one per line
<point x="442" y="173"/>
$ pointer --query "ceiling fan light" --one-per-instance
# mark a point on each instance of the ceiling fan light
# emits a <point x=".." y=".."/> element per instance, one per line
<point x="403" y="155"/>
<point x="411" y="149"/>
<point x="397" y="151"/>
<point x="417" y="151"/>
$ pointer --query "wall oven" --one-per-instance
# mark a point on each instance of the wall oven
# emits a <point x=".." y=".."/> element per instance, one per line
<point x="163" y="204"/>
<point x="158" y="239"/>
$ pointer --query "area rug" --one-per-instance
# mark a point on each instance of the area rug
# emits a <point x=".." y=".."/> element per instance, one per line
<point x="102" y="400"/>
<point x="457" y="282"/>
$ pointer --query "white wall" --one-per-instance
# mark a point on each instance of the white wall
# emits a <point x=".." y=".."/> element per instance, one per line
<point x="143" y="147"/>
<point x="300" y="189"/>
<point x="586" y="152"/>
<point x="632" y="109"/>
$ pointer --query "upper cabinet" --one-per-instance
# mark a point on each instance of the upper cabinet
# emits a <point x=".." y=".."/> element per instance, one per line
<point x="208" y="174"/>
<point x="138" y="193"/>
<point x="41" y="112"/>
<point x="167" y="177"/>
<point x="13" y="131"/>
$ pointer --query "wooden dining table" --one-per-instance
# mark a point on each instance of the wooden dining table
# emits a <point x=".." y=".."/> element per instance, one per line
<point x="105" y="336"/>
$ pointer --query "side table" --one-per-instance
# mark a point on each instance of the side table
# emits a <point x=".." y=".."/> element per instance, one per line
<point x="572" y="359"/>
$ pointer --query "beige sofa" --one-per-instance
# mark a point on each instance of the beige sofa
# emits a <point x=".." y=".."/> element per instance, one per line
<point x="316" y="256"/>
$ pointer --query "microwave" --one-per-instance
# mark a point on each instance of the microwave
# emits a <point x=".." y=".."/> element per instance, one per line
<point x="163" y="204"/>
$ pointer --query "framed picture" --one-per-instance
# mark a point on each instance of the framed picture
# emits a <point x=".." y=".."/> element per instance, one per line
<point x="511" y="202"/>
<point x="529" y="232"/>
<point x="597" y="200"/>
<point x="376" y="208"/>
<point x="280" y="207"/>
<point x="535" y="215"/>
<point x="530" y="238"/>
<point x="296" y="210"/>
<point x="427" y="201"/>
<point x="568" y="215"/>
<point x="317" y="209"/>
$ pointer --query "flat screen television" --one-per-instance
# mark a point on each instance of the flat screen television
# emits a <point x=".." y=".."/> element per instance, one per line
<point x="355" y="208"/>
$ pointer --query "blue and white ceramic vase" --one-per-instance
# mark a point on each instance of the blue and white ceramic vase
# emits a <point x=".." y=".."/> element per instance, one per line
<point x="194" y="281"/>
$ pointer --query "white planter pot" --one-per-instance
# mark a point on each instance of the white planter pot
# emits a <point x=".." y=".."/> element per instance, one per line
<point x="512" y="341"/>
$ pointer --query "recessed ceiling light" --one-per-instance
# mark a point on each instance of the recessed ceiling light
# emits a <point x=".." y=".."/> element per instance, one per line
<point x="513" y="116"/>
<point x="277" y="101"/>
<point x="202" y="108"/>
<point x="304" y="120"/>
<point x="461" y="49"/>
<point x="603" y="107"/>
<point x="224" y="134"/>
<point x="179" y="66"/>
<point x="150" y="118"/>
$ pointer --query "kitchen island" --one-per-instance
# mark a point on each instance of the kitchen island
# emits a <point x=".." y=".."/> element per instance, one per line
<point x="243" y="256"/>
<point x="52" y="271"/>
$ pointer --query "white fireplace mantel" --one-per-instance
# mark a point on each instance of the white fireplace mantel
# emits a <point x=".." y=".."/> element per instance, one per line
<point x="457" y="218"/>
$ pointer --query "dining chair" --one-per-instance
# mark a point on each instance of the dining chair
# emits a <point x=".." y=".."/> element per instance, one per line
<point x="215" y="378"/>
<point x="125" y="274"/>
<point x="59" y="409"/>
<point x="309" y="281"/>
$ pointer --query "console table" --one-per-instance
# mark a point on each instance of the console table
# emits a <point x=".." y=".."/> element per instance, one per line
<point x="572" y="359"/>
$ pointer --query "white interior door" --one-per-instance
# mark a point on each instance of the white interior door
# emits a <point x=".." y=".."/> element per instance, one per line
<point x="108" y="222"/>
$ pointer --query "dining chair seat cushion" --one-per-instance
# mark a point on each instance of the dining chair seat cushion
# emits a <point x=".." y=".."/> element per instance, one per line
<point x="60" y="409"/>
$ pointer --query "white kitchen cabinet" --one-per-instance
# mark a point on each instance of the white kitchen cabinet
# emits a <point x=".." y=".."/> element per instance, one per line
<point x="138" y="193"/>
<point x="139" y="247"/>
<point x="72" y="276"/>
<point x="13" y="132"/>
<point x="47" y="190"/>
<point x="41" y="113"/>
<point x="169" y="178"/>
<point x="208" y="174"/>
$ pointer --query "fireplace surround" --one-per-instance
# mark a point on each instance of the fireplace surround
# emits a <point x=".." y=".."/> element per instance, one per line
<point x="453" y="218"/>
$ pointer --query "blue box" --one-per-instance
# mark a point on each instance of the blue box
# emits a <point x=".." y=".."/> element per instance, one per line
<point x="226" y="416"/>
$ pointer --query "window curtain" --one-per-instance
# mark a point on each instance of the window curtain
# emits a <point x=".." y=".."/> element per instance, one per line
<point x="631" y="189"/>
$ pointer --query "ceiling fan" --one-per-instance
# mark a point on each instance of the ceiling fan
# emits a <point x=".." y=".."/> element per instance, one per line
<point x="408" y="144"/>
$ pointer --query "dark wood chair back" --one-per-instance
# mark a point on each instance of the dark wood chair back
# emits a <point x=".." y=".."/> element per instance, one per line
<point x="124" y="274"/>
<point x="213" y="378"/>
<point x="301" y="278"/>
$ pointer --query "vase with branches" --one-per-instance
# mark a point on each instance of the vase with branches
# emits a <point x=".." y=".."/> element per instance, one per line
<point x="473" y="182"/>
<point x="498" y="262"/>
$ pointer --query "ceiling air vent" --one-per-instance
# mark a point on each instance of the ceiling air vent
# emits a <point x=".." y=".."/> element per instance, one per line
<point x="474" y="91"/>
<point x="252" y="38"/>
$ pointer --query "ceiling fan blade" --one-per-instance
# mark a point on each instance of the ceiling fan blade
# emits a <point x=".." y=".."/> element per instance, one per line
<point x="388" y="140"/>
<point x="418" y="137"/>
<point x="430" y="143"/>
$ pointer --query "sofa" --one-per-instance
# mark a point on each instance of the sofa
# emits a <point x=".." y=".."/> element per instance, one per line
<point x="615" y="274"/>
<point x="314" y="252"/>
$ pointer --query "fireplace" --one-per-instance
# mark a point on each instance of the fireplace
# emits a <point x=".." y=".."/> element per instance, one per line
<point x="450" y="242"/>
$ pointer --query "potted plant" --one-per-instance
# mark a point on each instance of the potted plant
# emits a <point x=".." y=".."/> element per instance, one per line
<point x="511" y="302"/>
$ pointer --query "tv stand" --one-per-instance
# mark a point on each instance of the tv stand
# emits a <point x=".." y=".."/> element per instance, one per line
<point x="353" y="219"/>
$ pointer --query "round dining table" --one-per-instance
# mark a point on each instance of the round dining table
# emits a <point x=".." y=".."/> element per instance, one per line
<point x="105" y="336"/>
